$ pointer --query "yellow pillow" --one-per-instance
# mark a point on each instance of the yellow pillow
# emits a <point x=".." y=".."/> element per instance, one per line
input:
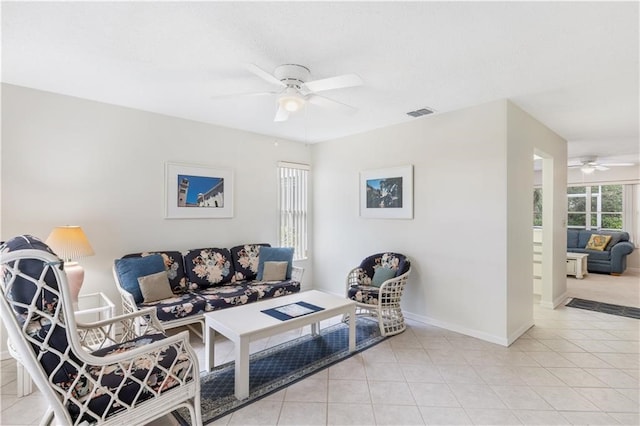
<point x="598" y="242"/>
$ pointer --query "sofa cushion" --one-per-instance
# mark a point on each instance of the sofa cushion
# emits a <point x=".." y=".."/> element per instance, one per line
<point x="583" y="238"/>
<point x="598" y="242"/>
<point x="132" y="268"/>
<point x="179" y="306"/>
<point x="598" y="255"/>
<point x="240" y="294"/>
<point x="245" y="260"/>
<point x="173" y="264"/>
<point x="208" y="266"/>
<point x="572" y="239"/>
<point x="275" y="254"/>
<point x="155" y="287"/>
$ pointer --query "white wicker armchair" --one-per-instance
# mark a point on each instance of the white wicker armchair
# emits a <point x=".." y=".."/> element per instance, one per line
<point x="87" y="375"/>
<point x="381" y="302"/>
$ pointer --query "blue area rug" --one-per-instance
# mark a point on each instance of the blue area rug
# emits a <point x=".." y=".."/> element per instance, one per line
<point x="278" y="367"/>
<point x="607" y="308"/>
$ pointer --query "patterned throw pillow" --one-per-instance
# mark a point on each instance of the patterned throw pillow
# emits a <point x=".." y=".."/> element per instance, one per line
<point x="245" y="260"/>
<point x="598" y="242"/>
<point x="208" y="266"/>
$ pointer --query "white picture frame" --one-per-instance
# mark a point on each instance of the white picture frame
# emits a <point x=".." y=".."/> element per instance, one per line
<point x="387" y="193"/>
<point x="198" y="191"/>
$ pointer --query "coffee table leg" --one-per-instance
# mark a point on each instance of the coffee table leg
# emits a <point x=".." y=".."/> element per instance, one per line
<point x="352" y="329"/>
<point x="209" y="349"/>
<point x="242" y="369"/>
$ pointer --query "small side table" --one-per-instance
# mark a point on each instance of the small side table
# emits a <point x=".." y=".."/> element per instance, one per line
<point x="94" y="307"/>
<point x="577" y="264"/>
<point x="91" y="307"/>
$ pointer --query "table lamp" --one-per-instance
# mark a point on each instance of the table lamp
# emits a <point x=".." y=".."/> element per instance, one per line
<point x="70" y="243"/>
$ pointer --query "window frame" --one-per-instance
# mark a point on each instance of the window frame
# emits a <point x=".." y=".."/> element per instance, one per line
<point x="288" y="216"/>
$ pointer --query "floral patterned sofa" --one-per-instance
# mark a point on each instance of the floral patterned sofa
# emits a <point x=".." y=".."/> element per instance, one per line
<point x="203" y="280"/>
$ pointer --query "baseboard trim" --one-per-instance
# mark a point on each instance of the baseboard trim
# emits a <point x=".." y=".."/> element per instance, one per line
<point x="556" y="302"/>
<point x="459" y="329"/>
<point x="520" y="331"/>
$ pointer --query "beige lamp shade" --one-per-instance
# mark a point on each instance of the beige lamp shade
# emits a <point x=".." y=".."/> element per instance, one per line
<point x="69" y="243"/>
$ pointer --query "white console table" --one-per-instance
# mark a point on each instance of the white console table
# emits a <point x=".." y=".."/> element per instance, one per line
<point x="577" y="264"/>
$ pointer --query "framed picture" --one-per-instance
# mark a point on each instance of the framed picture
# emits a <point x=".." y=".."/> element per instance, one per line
<point x="198" y="192"/>
<point x="387" y="193"/>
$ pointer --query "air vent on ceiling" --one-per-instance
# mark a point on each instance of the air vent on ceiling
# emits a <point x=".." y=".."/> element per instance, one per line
<point x="420" y="112"/>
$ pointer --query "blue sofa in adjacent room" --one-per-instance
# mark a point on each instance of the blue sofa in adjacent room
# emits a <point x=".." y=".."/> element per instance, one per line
<point x="612" y="260"/>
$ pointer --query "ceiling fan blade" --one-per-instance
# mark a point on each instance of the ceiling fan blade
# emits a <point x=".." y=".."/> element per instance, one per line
<point x="337" y="82"/>
<point x="324" y="102"/>
<point x="601" y="168"/>
<point x="281" y="115"/>
<point x="331" y="104"/>
<point x="264" y="75"/>
<point x="617" y="164"/>
<point x="236" y="95"/>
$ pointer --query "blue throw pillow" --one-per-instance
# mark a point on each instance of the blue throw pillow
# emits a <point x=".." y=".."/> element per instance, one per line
<point x="275" y="254"/>
<point x="381" y="275"/>
<point x="132" y="268"/>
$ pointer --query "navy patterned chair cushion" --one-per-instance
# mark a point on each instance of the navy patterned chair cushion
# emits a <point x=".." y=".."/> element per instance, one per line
<point x="173" y="262"/>
<point x="364" y="291"/>
<point x="38" y="325"/>
<point x="390" y="260"/>
<point x="208" y="266"/>
<point x="24" y="290"/>
<point x="127" y="391"/>
<point x="245" y="261"/>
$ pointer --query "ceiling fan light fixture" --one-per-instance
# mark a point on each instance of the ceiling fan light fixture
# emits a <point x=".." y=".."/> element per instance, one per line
<point x="291" y="104"/>
<point x="587" y="169"/>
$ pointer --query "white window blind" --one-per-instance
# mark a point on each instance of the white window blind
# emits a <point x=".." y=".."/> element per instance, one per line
<point x="293" y="197"/>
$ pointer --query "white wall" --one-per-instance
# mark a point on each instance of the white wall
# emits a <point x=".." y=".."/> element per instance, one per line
<point x="527" y="136"/>
<point x="72" y="161"/>
<point x="458" y="239"/>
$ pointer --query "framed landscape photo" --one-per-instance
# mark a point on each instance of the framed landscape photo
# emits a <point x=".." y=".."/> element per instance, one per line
<point x="198" y="192"/>
<point x="387" y="193"/>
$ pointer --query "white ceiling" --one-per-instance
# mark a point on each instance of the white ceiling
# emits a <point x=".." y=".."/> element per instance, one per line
<point x="573" y="66"/>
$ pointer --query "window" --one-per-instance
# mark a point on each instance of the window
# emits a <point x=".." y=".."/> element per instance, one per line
<point x="292" y="195"/>
<point x="537" y="207"/>
<point x="595" y="207"/>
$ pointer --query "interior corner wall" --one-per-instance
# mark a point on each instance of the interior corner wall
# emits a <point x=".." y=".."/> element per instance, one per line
<point x="525" y="136"/>
<point x="72" y="161"/>
<point x="457" y="240"/>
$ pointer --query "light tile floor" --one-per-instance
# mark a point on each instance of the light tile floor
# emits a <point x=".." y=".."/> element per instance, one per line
<point x="572" y="367"/>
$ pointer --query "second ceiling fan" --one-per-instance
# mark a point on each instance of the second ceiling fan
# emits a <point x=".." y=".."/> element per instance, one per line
<point x="295" y="89"/>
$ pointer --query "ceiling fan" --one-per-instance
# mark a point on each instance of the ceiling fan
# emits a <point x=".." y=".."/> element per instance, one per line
<point x="590" y="164"/>
<point x="295" y="89"/>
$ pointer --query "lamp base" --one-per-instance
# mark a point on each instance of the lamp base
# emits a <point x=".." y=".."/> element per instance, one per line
<point x="75" y="278"/>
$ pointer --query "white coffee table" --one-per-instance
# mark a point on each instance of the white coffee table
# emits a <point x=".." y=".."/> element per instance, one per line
<point x="577" y="264"/>
<point x="244" y="324"/>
